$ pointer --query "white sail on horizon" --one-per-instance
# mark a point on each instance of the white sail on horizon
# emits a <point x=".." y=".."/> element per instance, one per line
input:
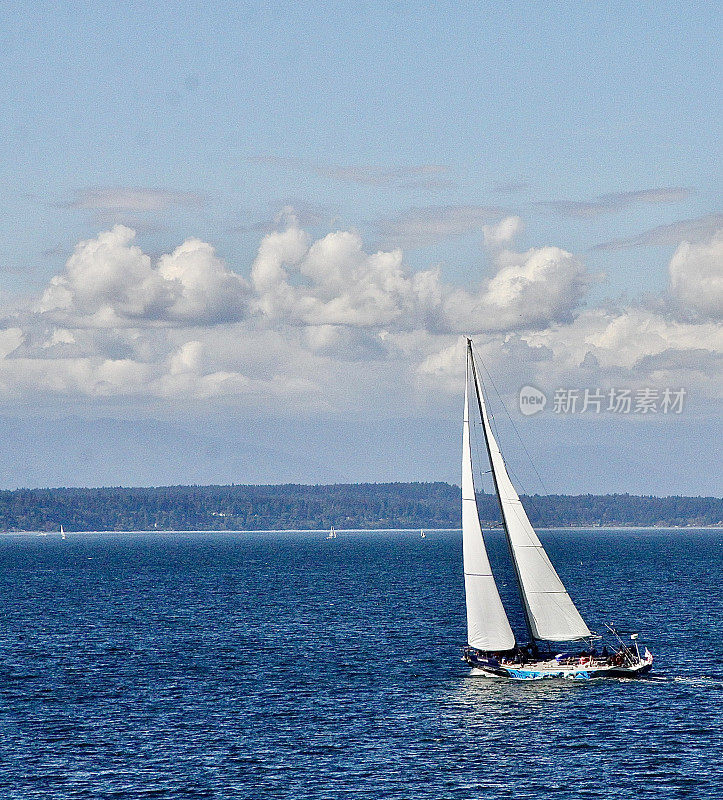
<point x="487" y="625"/>
<point x="550" y="612"/>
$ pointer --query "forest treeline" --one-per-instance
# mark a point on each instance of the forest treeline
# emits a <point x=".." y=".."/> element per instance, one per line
<point x="296" y="506"/>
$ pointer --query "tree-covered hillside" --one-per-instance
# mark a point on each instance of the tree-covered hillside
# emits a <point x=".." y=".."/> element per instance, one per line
<point x="295" y="506"/>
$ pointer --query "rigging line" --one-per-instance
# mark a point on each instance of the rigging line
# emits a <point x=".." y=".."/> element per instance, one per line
<point x="497" y="392"/>
<point x="475" y="448"/>
<point x="488" y="484"/>
<point x="517" y="480"/>
<point x="475" y="425"/>
<point x="476" y="435"/>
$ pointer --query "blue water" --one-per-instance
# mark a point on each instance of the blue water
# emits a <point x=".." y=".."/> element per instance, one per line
<point x="287" y="666"/>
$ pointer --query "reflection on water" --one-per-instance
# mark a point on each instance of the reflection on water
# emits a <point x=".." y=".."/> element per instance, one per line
<point x="482" y="697"/>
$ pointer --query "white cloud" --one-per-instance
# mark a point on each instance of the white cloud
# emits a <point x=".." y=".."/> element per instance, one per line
<point x="530" y="290"/>
<point x="110" y="281"/>
<point x="207" y="290"/>
<point x="107" y="273"/>
<point x="186" y="359"/>
<point x="696" y="276"/>
<point x="269" y="276"/>
<point x="627" y="345"/>
<point x="335" y="282"/>
<point x="502" y="232"/>
<point x="340" y="283"/>
<point x="60" y="336"/>
<point x="89" y="377"/>
<point x="320" y="316"/>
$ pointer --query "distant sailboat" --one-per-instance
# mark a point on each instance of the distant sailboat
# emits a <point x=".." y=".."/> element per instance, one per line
<point x="423" y="535"/>
<point x="62" y="532"/>
<point x="549" y="612"/>
<point x="332" y="533"/>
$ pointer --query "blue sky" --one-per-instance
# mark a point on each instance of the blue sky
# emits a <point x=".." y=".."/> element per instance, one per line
<point x="595" y="129"/>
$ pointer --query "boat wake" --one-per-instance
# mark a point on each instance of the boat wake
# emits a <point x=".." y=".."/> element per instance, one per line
<point x="699" y="680"/>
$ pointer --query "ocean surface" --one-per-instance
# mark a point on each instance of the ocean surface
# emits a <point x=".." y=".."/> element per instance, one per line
<point x="284" y="665"/>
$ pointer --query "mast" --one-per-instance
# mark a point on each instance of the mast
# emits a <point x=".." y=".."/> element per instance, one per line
<point x="549" y="611"/>
<point x="487" y="625"/>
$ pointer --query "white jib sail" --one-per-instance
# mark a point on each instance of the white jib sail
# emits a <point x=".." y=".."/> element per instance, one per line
<point x="487" y="625"/>
<point x="550" y="611"/>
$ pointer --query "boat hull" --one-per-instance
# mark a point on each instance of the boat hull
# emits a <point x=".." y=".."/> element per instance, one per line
<point x="532" y="672"/>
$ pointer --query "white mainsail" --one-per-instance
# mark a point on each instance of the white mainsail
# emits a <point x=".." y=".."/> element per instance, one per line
<point x="487" y="625"/>
<point x="550" y="612"/>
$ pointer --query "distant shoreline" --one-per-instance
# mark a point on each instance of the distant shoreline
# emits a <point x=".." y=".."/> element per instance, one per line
<point x="370" y="506"/>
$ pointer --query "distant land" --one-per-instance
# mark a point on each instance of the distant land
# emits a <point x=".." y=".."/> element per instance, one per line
<point x="297" y="506"/>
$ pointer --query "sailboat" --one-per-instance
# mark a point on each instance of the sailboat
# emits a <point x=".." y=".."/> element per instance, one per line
<point x="332" y="533"/>
<point x="549" y="612"/>
<point x="62" y="532"/>
<point x="422" y="535"/>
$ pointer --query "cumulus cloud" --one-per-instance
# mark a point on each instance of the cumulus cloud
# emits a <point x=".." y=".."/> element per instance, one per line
<point x="631" y="347"/>
<point x="92" y="377"/>
<point x="335" y="282"/>
<point x="117" y="322"/>
<point x="206" y="290"/>
<point x="269" y="274"/>
<point x="166" y="372"/>
<point x="529" y="290"/>
<point x="108" y="281"/>
<point x="106" y="272"/>
<point x="696" y="276"/>
<point x="342" y="285"/>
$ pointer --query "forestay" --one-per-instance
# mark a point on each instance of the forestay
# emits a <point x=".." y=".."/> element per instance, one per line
<point x="487" y="625"/>
<point x="550" y="612"/>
